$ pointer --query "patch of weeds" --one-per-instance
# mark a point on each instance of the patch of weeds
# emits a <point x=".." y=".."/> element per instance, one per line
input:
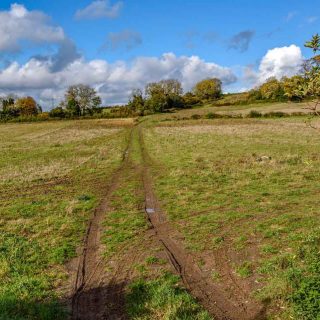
<point x="217" y="241"/>
<point x="306" y="297"/>
<point x="245" y="270"/>
<point x="215" y="275"/>
<point x="141" y="268"/>
<point x="201" y="262"/>
<point x="241" y="242"/>
<point x="162" y="298"/>
<point x="269" y="249"/>
<point x="306" y="281"/>
<point x="152" y="260"/>
<point x="84" y="197"/>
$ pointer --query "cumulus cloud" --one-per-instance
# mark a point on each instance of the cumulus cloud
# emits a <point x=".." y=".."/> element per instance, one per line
<point x="280" y="62"/>
<point x="277" y="62"/>
<point x="241" y="41"/>
<point x="114" y="81"/>
<point x="99" y="9"/>
<point x="127" y="39"/>
<point x="18" y="24"/>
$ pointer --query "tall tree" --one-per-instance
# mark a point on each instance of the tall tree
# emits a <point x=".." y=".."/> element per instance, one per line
<point x="137" y="102"/>
<point x="163" y="95"/>
<point x="310" y="88"/>
<point x="208" y="89"/>
<point x="82" y="99"/>
<point x="314" y="43"/>
<point x="27" y="106"/>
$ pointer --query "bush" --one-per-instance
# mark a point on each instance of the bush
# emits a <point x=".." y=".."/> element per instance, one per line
<point x="212" y="115"/>
<point x="276" y="114"/>
<point x="254" y="114"/>
<point x="196" y="117"/>
<point x="43" y="116"/>
<point x="57" y="112"/>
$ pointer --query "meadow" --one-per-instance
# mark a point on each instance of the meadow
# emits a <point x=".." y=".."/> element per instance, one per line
<point x="52" y="176"/>
<point x="244" y="195"/>
<point x="241" y="197"/>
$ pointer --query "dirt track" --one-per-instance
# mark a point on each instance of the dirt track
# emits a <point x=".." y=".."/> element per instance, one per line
<point x="99" y="295"/>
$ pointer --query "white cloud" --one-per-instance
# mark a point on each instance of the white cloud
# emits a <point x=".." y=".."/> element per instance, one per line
<point x="100" y="9"/>
<point x="280" y="62"/>
<point x="18" y="24"/>
<point x="277" y="62"/>
<point x="114" y="81"/>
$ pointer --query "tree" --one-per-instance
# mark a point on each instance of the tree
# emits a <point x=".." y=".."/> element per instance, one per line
<point x="163" y="95"/>
<point x="57" y="112"/>
<point x="137" y="102"/>
<point x="272" y="89"/>
<point x="314" y="43"/>
<point x="73" y="107"/>
<point x="310" y="88"/>
<point x="27" y="106"/>
<point x="190" y="99"/>
<point x="81" y="99"/>
<point x="208" y="89"/>
<point x="290" y="87"/>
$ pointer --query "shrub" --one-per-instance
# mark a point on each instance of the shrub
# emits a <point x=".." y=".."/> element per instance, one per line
<point x="254" y="114"/>
<point x="212" y="115"/>
<point x="275" y="114"/>
<point x="43" y="116"/>
<point x="57" y="112"/>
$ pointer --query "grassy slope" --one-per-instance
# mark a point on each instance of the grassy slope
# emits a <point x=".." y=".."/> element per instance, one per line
<point x="51" y="177"/>
<point x="289" y="107"/>
<point x="218" y="193"/>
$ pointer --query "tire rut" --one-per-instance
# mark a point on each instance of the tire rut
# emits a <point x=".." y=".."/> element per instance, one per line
<point x="90" y="294"/>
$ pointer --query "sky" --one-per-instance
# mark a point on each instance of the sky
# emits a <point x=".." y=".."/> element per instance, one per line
<point x="117" y="46"/>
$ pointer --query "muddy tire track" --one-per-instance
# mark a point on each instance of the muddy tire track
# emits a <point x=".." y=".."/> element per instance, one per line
<point x="90" y="294"/>
<point x="218" y="302"/>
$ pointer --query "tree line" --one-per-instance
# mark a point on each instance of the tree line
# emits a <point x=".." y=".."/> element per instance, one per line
<point x="162" y="96"/>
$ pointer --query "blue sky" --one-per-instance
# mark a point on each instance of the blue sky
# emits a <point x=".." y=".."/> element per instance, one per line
<point x="230" y="34"/>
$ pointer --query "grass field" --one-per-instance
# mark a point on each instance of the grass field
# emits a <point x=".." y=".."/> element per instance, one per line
<point x="241" y="195"/>
<point x="52" y="176"/>
<point x="247" y="189"/>
<point x="242" y="110"/>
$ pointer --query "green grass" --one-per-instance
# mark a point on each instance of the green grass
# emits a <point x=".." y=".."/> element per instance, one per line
<point x="125" y="221"/>
<point x="52" y="176"/>
<point x="163" y="299"/>
<point x="248" y="184"/>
